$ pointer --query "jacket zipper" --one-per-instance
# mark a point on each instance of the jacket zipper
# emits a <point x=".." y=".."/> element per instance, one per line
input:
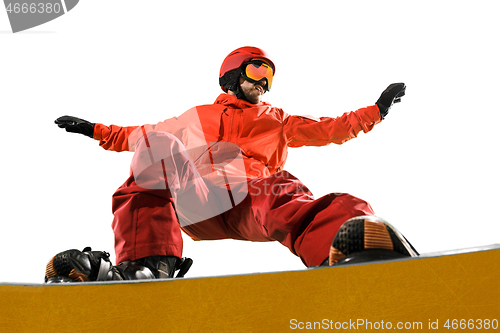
<point x="230" y="126"/>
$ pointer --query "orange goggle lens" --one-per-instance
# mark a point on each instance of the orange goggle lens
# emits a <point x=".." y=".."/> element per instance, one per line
<point x="257" y="72"/>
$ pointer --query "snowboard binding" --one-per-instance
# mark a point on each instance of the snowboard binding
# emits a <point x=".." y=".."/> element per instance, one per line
<point x="368" y="238"/>
<point x="87" y="265"/>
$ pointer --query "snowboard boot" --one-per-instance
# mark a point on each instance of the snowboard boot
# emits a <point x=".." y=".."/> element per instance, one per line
<point x="87" y="265"/>
<point x="368" y="238"/>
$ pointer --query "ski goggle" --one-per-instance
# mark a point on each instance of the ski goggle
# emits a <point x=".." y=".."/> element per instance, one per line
<point x="256" y="71"/>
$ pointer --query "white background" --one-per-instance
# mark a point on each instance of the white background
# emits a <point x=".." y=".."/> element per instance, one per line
<point x="431" y="168"/>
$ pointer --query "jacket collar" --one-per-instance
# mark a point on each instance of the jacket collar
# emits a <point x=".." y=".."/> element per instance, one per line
<point x="230" y="100"/>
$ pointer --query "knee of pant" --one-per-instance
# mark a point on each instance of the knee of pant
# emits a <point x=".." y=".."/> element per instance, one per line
<point x="154" y="147"/>
<point x="160" y="145"/>
<point x="355" y="206"/>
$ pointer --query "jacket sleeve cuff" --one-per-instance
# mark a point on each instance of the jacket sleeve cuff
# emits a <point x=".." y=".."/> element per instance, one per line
<point x="100" y="131"/>
<point x="375" y="113"/>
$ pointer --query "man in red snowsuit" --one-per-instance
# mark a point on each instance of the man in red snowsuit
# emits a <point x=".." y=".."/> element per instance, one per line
<point x="216" y="172"/>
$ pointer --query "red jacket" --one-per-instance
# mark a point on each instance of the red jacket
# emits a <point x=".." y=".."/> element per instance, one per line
<point x="261" y="131"/>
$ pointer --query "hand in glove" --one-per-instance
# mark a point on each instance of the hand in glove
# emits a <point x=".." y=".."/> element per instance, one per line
<point x="391" y="95"/>
<point x="76" y="125"/>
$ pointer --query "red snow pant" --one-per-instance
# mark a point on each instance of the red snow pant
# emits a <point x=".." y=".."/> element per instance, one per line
<point x="276" y="208"/>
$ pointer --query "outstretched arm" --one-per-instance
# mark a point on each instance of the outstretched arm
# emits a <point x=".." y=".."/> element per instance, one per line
<point x="110" y="137"/>
<point x="305" y="131"/>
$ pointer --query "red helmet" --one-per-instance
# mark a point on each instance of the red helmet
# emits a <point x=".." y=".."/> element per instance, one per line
<point x="239" y="56"/>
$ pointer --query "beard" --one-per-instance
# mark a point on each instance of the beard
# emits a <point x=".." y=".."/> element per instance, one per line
<point x="251" y="94"/>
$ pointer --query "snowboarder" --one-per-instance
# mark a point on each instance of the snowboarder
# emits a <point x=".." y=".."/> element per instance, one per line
<point x="216" y="172"/>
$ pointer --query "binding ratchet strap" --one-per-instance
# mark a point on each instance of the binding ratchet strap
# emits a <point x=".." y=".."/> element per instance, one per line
<point x="104" y="268"/>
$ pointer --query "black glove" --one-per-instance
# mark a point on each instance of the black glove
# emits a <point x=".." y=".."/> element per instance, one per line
<point x="391" y="95"/>
<point x="76" y="125"/>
